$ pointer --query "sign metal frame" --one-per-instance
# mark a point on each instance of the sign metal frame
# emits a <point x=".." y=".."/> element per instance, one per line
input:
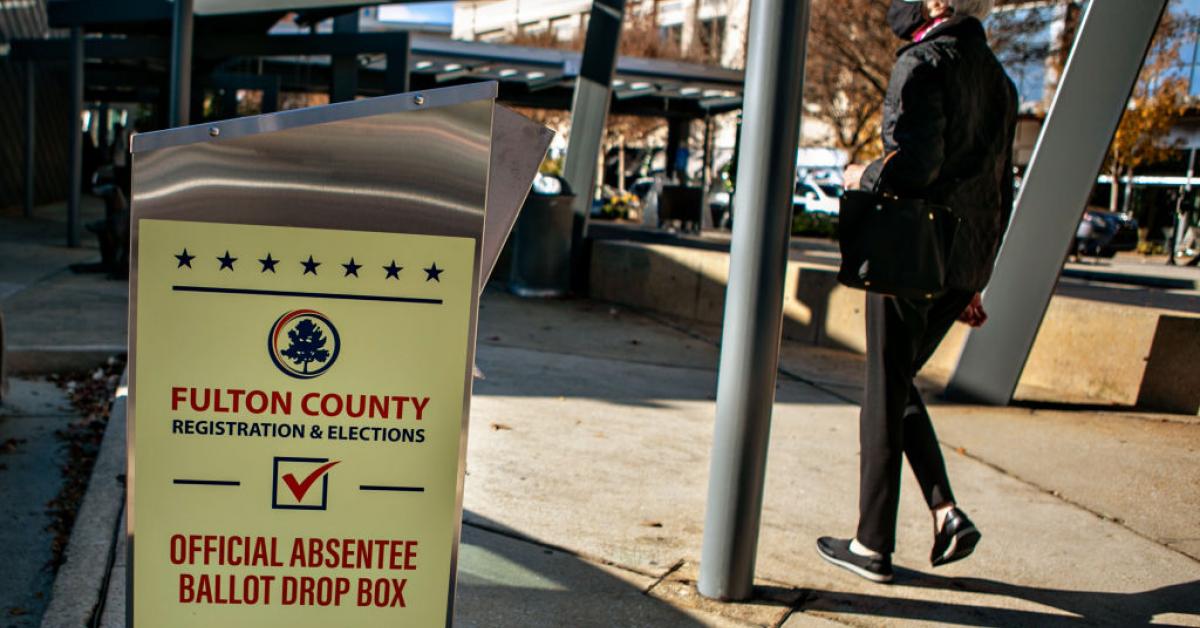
<point x="368" y="165"/>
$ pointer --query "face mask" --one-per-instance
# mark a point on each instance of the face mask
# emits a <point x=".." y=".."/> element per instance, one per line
<point x="905" y="18"/>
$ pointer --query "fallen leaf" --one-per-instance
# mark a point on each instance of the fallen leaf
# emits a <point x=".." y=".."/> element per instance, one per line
<point x="962" y="451"/>
<point x="652" y="524"/>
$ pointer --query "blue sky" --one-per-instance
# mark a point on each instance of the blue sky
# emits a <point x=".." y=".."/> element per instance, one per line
<point x="424" y="12"/>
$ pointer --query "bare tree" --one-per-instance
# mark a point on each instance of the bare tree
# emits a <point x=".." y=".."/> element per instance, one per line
<point x="851" y="52"/>
<point x="850" y="57"/>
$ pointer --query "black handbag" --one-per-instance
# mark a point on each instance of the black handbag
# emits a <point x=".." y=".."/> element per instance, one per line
<point x="894" y="246"/>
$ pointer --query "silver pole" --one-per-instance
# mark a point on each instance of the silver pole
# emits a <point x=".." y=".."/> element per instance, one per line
<point x="1180" y="220"/>
<point x="589" y="114"/>
<point x="1191" y="171"/>
<point x="75" y="154"/>
<point x="30" y="136"/>
<point x="1100" y="74"/>
<point x="181" y="63"/>
<point x="754" y="298"/>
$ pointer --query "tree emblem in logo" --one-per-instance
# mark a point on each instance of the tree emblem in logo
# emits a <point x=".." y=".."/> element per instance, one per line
<point x="303" y="344"/>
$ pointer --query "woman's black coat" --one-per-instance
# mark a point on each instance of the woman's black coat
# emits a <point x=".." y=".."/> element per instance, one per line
<point x="948" y="124"/>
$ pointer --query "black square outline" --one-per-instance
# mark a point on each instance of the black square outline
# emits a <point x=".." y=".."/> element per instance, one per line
<point x="275" y="485"/>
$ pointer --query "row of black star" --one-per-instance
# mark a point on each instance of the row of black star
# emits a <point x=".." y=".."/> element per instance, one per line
<point x="433" y="273"/>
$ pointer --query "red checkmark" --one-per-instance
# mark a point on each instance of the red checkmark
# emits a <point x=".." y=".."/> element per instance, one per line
<point x="300" y="489"/>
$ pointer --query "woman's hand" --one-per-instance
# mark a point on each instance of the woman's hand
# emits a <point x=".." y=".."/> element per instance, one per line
<point x="852" y="176"/>
<point x="974" y="314"/>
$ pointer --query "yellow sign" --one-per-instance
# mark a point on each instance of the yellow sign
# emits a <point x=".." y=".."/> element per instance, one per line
<point x="298" y="404"/>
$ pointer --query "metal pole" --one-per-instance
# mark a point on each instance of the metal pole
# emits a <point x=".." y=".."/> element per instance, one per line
<point x="75" y="150"/>
<point x="181" y="63"/>
<point x="1191" y="171"/>
<point x="589" y="114"/>
<point x="102" y="130"/>
<point x="395" y="79"/>
<point x="1180" y="219"/>
<point x="30" y="136"/>
<point x="676" y="138"/>
<point x="754" y="298"/>
<point x="1100" y="74"/>
<point x="343" y="80"/>
<point x="708" y="150"/>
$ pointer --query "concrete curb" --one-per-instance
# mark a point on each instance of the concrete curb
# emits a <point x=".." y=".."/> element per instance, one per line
<point x="81" y="580"/>
<point x="113" y="615"/>
<point x="1166" y="283"/>
<point x="1062" y="367"/>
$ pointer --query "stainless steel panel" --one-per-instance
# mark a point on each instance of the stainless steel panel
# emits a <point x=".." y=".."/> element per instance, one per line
<point x="518" y="147"/>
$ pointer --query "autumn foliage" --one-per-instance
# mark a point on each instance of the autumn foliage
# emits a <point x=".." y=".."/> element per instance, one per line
<point x="1158" y="100"/>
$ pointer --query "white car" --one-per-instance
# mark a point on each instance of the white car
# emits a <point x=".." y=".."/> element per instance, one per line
<point x="818" y="197"/>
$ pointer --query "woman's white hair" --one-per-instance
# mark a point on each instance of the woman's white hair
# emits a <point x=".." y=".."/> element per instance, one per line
<point x="978" y="9"/>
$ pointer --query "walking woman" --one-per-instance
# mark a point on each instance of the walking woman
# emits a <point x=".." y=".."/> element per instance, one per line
<point x="948" y="124"/>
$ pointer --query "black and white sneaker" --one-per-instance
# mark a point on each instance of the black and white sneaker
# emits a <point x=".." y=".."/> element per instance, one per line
<point x="956" y="541"/>
<point x="837" y="551"/>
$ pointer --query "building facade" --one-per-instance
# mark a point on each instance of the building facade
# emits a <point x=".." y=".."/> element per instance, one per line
<point x="708" y="31"/>
<point x="703" y="25"/>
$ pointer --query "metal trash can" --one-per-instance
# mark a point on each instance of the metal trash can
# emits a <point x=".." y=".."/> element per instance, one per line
<point x="683" y="203"/>
<point x="541" y="241"/>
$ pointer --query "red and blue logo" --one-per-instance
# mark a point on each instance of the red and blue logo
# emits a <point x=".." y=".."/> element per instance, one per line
<point x="303" y="344"/>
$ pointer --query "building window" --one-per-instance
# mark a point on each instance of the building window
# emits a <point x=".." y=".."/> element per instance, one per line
<point x="710" y="34"/>
<point x="672" y="35"/>
<point x="564" y="28"/>
<point x="533" y="28"/>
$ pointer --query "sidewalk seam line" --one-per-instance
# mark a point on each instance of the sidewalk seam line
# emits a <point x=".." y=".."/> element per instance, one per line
<point x="600" y="357"/>
<point x="1059" y="496"/>
<point x="666" y="574"/>
<point x="795" y="607"/>
<point x="48" y="276"/>
<point x="653" y="316"/>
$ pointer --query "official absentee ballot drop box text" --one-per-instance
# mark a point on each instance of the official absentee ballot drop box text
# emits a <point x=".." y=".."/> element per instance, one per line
<point x="303" y="305"/>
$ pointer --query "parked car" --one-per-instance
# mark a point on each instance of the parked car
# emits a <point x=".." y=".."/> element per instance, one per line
<point x="1104" y="233"/>
<point x="821" y="200"/>
<point x="812" y="196"/>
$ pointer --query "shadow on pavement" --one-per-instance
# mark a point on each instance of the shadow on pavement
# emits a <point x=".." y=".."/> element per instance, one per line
<point x="521" y="372"/>
<point x="505" y="579"/>
<point x="1086" y="608"/>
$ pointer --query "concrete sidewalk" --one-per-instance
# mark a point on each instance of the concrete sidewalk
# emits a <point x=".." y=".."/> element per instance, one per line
<point x="56" y="320"/>
<point x="607" y="456"/>
<point x="587" y="471"/>
<point x="587" y="474"/>
<point x="31" y="457"/>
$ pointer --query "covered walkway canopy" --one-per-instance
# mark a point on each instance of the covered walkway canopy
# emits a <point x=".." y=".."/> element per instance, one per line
<point x="127" y="47"/>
